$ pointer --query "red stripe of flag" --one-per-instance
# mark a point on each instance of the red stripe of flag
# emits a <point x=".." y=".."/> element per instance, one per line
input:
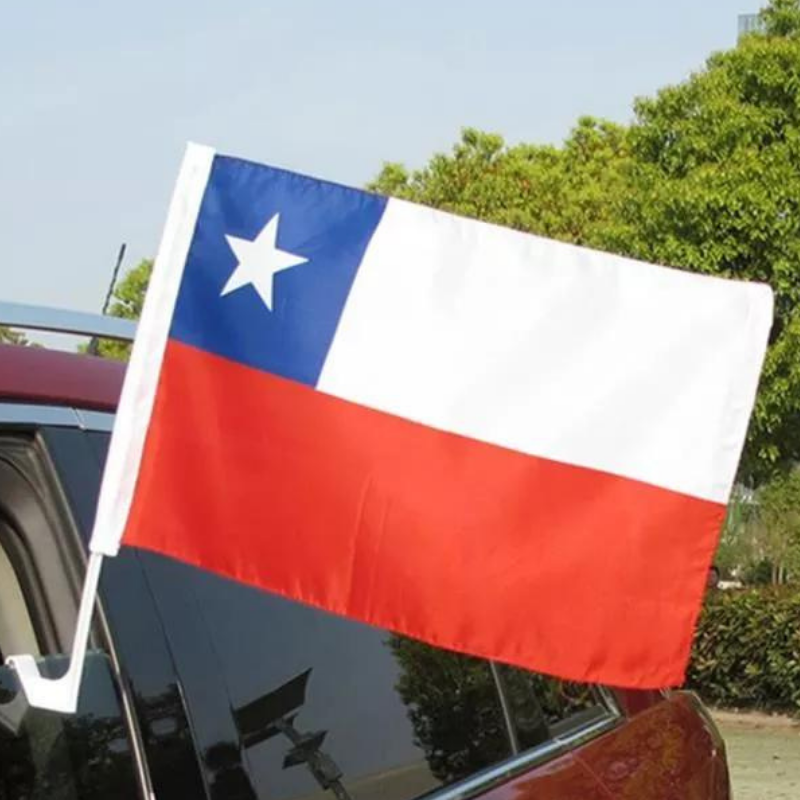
<point x="533" y="562"/>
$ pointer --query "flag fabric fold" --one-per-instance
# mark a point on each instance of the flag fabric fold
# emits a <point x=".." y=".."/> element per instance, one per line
<point x="493" y="442"/>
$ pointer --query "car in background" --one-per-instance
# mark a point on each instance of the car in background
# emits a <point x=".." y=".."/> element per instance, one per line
<point x="196" y="686"/>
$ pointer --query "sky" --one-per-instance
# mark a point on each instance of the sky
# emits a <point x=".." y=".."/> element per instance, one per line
<point x="100" y="98"/>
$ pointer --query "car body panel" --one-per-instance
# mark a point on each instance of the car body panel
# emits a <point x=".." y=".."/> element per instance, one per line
<point x="37" y="375"/>
<point x="564" y="778"/>
<point x="667" y="752"/>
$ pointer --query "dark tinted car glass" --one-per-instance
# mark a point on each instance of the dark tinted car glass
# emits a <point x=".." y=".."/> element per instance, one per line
<point x="85" y="756"/>
<point x="329" y="707"/>
<point x="542" y="707"/>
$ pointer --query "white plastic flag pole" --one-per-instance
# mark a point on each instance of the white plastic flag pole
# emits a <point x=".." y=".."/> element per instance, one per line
<point x="61" y="694"/>
<point x="130" y="427"/>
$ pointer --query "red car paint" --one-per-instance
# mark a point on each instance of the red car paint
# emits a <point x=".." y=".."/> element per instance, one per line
<point x="36" y="375"/>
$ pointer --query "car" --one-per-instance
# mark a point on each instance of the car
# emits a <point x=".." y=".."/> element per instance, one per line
<point x="196" y="686"/>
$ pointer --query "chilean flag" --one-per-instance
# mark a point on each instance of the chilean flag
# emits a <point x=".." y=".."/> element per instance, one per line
<point x="486" y="440"/>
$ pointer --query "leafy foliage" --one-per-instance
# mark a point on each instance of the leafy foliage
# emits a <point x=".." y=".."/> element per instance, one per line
<point x="565" y="193"/>
<point x="9" y="336"/>
<point x="747" y="650"/>
<point x="778" y="524"/>
<point x="735" y="548"/>
<point x="451" y="706"/>
<point x="761" y="536"/>
<point x="715" y="187"/>
<point x="128" y="302"/>
<point x="781" y="18"/>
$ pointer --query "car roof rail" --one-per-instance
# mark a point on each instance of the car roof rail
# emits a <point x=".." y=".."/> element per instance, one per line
<point x="57" y="320"/>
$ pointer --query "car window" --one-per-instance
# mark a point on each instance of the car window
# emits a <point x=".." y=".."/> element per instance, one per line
<point x="17" y="634"/>
<point x="543" y="708"/>
<point x="81" y="756"/>
<point x="325" y="706"/>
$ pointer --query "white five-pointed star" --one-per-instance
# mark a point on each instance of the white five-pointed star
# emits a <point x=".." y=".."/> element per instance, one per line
<point x="259" y="260"/>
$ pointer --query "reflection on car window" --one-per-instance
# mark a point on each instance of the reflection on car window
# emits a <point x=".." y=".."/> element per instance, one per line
<point x="85" y="756"/>
<point x="16" y="627"/>
<point x="453" y="707"/>
<point x="543" y="707"/>
<point x="327" y="707"/>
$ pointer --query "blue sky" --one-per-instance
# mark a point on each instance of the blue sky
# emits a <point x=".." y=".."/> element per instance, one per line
<point x="99" y="98"/>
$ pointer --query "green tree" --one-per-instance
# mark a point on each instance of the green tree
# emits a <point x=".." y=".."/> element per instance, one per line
<point x="715" y="188"/>
<point x="781" y="18"/>
<point x="9" y="336"/>
<point x="128" y="301"/>
<point x="567" y="193"/>
<point x="777" y="529"/>
<point x="450" y="701"/>
<point x="761" y="536"/>
<point x="736" y="550"/>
